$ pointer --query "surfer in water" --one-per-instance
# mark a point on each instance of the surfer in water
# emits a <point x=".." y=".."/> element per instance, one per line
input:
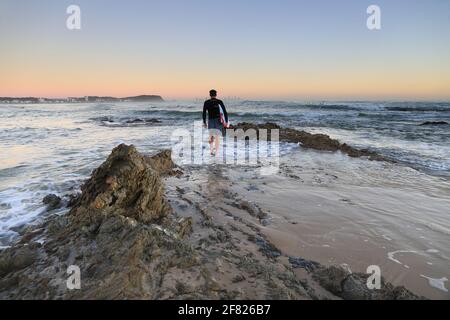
<point x="217" y="120"/>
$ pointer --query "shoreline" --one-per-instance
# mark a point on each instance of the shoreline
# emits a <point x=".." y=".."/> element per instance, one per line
<point x="180" y="234"/>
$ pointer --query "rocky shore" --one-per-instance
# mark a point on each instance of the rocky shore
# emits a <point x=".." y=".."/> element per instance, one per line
<point x="308" y="140"/>
<point x="133" y="239"/>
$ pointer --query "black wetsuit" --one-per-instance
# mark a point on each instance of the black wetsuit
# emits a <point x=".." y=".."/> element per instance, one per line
<point x="212" y="106"/>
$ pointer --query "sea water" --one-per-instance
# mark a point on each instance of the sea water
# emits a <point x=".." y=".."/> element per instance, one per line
<point x="53" y="148"/>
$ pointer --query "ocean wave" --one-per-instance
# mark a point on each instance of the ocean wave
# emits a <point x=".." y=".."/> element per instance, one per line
<point x="334" y="107"/>
<point x="420" y="107"/>
<point x="174" y="113"/>
<point x="125" y="121"/>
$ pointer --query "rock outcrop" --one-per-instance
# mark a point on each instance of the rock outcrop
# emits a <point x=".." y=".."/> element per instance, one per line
<point x="52" y="201"/>
<point x="141" y="121"/>
<point x="434" y="123"/>
<point x="126" y="184"/>
<point x="353" y="286"/>
<point x="319" y="142"/>
<point x="120" y="232"/>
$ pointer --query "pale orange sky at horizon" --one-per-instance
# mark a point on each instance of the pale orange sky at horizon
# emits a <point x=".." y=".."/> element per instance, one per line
<point x="56" y="84"/>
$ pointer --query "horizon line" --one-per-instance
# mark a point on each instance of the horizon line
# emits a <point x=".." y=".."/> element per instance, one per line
<point x="283" y="99"/>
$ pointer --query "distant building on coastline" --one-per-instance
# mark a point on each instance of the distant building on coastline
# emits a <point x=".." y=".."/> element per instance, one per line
<point x="85" y="99"/>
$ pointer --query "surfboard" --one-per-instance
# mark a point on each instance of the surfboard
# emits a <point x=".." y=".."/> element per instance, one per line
<point x="222" y="118"/>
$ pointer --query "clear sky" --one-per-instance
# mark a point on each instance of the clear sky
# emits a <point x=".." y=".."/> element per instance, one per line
<point x="289" y="49"/>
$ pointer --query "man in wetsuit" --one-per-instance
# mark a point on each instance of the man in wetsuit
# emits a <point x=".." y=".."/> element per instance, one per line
<point x="215" y="126"/>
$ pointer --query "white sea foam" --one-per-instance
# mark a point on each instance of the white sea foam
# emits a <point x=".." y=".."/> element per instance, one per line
<point x="391" y="256"/>
<point x="437" y="283"/>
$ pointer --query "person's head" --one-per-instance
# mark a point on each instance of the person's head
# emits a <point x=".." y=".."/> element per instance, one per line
<point x="213" y="93"/>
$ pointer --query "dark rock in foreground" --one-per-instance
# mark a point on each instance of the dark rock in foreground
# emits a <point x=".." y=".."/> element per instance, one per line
<point x="52" y="201"/>
<point x="124" y="185"/>
<point x="308" y="265"/>
<point x="353" y="286"/>
<point x="319" y="142"/>
<point x="120" y="232"/>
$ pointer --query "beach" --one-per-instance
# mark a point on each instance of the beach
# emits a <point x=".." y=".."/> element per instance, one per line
<point x="255" y="236"/>
<point x="335" y="210"/>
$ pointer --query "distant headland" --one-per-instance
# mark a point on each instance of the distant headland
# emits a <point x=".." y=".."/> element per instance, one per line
<point x="86" y="99"/>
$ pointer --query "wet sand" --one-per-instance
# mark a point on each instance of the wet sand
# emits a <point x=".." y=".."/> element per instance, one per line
<point x="333" y="209"/>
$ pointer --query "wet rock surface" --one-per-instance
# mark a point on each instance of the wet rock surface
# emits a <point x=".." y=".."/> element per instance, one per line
<point x="118" y="232"/>
<point x="52" y="201"/>
<point x="162" y="162"/>
<point x="133" y="238"/>
<point x="434" y="123"/>
<point x="350" y="286"/>
<point x="319" y="142"/>
<point x="139" y="121"/>
<point x="17" y="259"/>
<point x="308" y="265"/>
<point x="124" y="185"/>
